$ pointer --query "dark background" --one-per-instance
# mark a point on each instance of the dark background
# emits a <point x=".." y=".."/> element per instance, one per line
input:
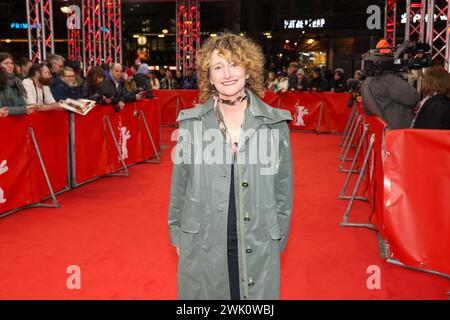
<point x="344" y="38"/>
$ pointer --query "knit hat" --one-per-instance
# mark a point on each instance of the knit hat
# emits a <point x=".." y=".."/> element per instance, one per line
<point x="339" y="71"/>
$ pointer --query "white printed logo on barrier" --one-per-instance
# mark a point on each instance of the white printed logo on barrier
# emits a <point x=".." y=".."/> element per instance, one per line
<point x="301" y="111"/>
<point x="3" y="168"/>
<point x="124" y="137"/>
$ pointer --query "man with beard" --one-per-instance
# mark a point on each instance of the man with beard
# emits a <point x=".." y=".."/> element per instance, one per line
<point x="37" y="88"/>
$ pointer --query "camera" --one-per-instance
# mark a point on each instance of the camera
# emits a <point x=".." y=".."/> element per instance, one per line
<point x="404" y="57"/>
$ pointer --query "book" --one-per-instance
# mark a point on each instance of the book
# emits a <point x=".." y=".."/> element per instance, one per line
<point x="80" y="106"/>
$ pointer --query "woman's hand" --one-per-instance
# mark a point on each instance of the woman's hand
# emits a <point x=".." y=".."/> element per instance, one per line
<point x="178" y="250"/>
<point x="4" y="112"/>
<point x="32" y="108"/>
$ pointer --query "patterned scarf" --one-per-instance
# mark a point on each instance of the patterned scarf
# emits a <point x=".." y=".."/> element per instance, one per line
<point x="222" y="126"/>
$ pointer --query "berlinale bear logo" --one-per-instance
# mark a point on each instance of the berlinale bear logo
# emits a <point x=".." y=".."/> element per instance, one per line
<point x="124" y="137"/>
<point x="301" y="111"/>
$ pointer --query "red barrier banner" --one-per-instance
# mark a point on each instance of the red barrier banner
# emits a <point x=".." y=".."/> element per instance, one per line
<point x="172" y="101"/>
<point x="52" y="131"/>
<point x="374" y="172"/>
<point x="152" y="113"/>
<point x="15" y="174"/>
<point x="305" y="108"/>
<point x="311" y="111"/>
<point x="416" y="206"/>
<point x="22" y="181"/>
<point x="335" y="111"/>
<point x="103" y="135"/>
<point x="271" y="98"/>
<point x="169" y="101"/>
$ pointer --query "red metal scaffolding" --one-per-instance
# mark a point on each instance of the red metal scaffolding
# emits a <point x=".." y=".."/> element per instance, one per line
<point x="99" y="37"/>
<point x="414" y="9"/>
<point x="447" y="49"/>
<point x="40" y="29"/>
<point x="390" y="21"/>
<point x="187" y="33"/>
<point x="437" y="29"/>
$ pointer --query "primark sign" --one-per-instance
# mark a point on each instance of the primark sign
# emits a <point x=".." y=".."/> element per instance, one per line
<point x="304" y="23"/>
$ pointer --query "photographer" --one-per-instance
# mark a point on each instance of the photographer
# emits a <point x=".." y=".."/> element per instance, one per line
<point x="391" y="98"/>
<point x="385" y="93"/>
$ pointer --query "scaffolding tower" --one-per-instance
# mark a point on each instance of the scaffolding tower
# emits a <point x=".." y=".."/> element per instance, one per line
<point x="187" y="33"/>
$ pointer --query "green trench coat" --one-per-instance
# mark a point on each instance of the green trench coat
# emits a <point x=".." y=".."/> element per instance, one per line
<point x="199" y="200"/>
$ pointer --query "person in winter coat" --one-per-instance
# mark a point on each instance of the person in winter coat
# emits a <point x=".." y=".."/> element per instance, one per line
<point x="141" y="77"/>
<point x="231" y="198"/>
<point x="92" y="84"/>
<point x="391" y="98"/>
<point x="11" y="103"/>
<point x="434" y="112"/>
<point x="302" y="81"/>
<point x="12" y="92"/>
<point x="318" y="82"/>
<point x="338" y="84"/>
<point x="113" y="89"/>
<point x="67" y="88"/>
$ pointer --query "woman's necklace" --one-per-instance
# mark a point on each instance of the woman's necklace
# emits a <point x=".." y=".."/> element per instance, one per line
<point x="233" y="102"/>
<point x="223" y="127"/>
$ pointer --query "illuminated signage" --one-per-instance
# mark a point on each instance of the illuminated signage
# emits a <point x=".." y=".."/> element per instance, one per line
<point x="417" y="17"/>
<point x="21" y="25"/>
<point x="304" y="23"/>
<point x="24" y="26"/>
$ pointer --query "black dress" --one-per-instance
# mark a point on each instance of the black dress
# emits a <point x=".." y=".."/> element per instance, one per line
<point x="232" y="244"/>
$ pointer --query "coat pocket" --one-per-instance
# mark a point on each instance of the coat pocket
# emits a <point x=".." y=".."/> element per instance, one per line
<point x="189" y="225"/>
<point x="274" y="232"/>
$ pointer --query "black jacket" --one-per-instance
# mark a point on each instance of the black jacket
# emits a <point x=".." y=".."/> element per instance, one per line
<point x="62" y="91"/>
<point x="338" y="85"/>
<point x="303" y="85"/>
<point x="108" y="89"/>
<point x="320" y="84"/>
<point x="142" y="81"/>
<point x="292" y="81"/>
<point x="434" y="114"/>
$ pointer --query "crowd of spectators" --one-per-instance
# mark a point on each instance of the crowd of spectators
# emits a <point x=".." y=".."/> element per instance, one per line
<point x="293" y="78"/>
<point x="430" y="112"/>
<point x="27" y="87"/>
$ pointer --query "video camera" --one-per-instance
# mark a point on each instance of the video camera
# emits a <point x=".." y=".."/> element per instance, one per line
<point x="401" y="59"/>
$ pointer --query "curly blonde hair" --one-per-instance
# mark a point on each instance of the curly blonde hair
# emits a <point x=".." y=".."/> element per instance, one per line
<point x="234" y="48"/>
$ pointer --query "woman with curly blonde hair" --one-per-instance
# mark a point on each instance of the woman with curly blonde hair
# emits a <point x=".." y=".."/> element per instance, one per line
<point x="230" y="210"/>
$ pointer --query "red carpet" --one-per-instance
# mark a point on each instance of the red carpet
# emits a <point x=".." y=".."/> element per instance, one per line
<point x="115" y="230"/>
